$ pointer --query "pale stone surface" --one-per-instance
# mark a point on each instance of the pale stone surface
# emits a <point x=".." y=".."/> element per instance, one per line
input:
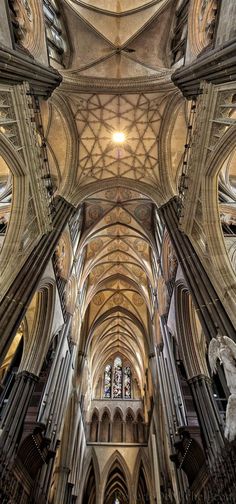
<point x="226" y="28"/>
<point x="5" y="37"/>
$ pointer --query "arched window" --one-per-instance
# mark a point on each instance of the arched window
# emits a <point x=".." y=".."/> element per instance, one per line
<point x="107" y="381"/>
<point x="105" y="428"/>
<point x="129" y="428"/>
<point x="55" y="31"/>
<point x="127" y="382"/>
<point x="94" y="428"/>
<point x="117" y="428"/>
<point x="117" y="378"/>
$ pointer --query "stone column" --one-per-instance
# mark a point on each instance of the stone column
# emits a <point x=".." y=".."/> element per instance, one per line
<point x="62" y="479"/>
<point x="208" y="415"/>
<point x="14" y="414"/>
<point x="16" y="67"/>
<point x="211" y="311"/>
<point x="156" y="470"/>
<point x="216" y="66"/>
<point x="16" y="301"/>
<point x="42" y="484"/>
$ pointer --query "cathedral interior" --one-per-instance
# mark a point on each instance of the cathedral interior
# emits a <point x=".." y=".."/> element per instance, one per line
<point x="117" y="251"/>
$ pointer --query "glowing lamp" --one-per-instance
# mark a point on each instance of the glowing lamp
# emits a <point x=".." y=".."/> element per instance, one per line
<point x="118" y="137"/>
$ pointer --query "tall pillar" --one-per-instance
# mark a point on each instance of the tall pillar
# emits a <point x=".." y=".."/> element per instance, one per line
<point x="14" y="414"/>
<point x="210" y="309"/>
<point x="208" y="415"/>
<point x="42" y="484"/>
<point x="216" y="66"/>
<point x="62" y="480"/>
<point x="156" y="470"/>
<point x="17" y="299"/>
<point x="16" y="67"/>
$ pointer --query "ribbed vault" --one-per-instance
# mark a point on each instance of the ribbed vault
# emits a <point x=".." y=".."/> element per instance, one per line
<point x="117" y="280"/>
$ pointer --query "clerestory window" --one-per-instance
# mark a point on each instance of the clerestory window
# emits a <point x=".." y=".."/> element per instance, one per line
<point x="117" y="380"/>
<point x="55" y="31"/>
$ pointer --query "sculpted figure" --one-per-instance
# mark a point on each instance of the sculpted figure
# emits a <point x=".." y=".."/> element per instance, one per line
<point x="224" y="349"/>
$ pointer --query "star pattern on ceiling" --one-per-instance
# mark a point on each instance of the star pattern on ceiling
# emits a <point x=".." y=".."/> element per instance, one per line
<point x="98" y="117"/>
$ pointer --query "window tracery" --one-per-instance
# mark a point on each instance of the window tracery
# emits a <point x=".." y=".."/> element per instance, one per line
<point x="127" y="382"/>
<point x="117" y="380"/>
<point x="107" y="381"/>
<point x="55" y="31"/>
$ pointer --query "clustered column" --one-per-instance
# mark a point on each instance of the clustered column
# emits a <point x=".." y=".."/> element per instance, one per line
<point x="211" y="311"/>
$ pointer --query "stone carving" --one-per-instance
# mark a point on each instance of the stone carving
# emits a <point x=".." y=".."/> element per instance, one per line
<point x="228" y="219"/>
<point x="173" y="263"/>
<point x="207" y="19"/>
<point x="22" y="13"/>
<point x="224" y="349"/>
<point x="60" y="254"/>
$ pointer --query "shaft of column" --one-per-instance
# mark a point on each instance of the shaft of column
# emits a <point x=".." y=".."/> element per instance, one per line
<point x="208" y="416"/>
<point x="211" y="311"/>
<point x="17" y="299"/>
<point x="14" y="414"/>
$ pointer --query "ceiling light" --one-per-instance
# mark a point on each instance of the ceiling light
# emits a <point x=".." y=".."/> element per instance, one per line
<point x="118" y="137"/>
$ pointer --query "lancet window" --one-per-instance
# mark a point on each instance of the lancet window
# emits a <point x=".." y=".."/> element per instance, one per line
<point x="54" y="30"/>
<point x="117" y="380"/>
<point x="107" y="381"/>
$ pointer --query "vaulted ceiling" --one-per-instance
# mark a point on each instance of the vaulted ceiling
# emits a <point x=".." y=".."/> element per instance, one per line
<point x="118" y="80"/>
<point x="118" y="243"/>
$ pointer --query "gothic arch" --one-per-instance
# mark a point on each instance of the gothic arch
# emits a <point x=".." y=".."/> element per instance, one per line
<point x="12" y="241"/>
<point x="63" y="255"/>
<point x="40" y="335"/>
<point x="90" y="467"/>
<point x="190" y="336"/>
<point x="105" y="423"/>
<point x="198" y="26"/>
<point x="32" y="29"/>
<point x="171" y="114"/>
<point x="110" y="312"/>
<point x="224" y="280"/>
<point x="117" y="464"/>
<point x="90" y="489"/>
<point x="97" y="412"/>
<point x="81" y="194"/>
<point x="141" y="479"/>
<point x="63" y="168"/>
<point x="129" y="426"/>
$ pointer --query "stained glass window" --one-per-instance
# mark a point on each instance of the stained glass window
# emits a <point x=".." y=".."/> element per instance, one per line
<point x="117" y="378"/>
<point x="107" y="381"/>
<point x="127" y="382"/>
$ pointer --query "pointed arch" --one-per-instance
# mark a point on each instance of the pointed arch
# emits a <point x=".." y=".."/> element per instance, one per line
<point x="89" y="495"/>
<point x="129" y="426"/>
<point x="91" y="480"/>
<point x="105" y="426"/>
<point x="141" y="478"/>
<point x="117" y="427"/>
<point x="117" y="480"/>
<point x="94" y="426"/>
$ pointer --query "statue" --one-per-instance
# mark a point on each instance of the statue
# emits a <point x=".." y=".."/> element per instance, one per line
<point x="224" y="349"/>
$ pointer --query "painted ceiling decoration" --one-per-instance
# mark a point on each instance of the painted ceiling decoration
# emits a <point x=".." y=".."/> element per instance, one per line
<point x="119" y="83"/>
<point x="118" y="240"/>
